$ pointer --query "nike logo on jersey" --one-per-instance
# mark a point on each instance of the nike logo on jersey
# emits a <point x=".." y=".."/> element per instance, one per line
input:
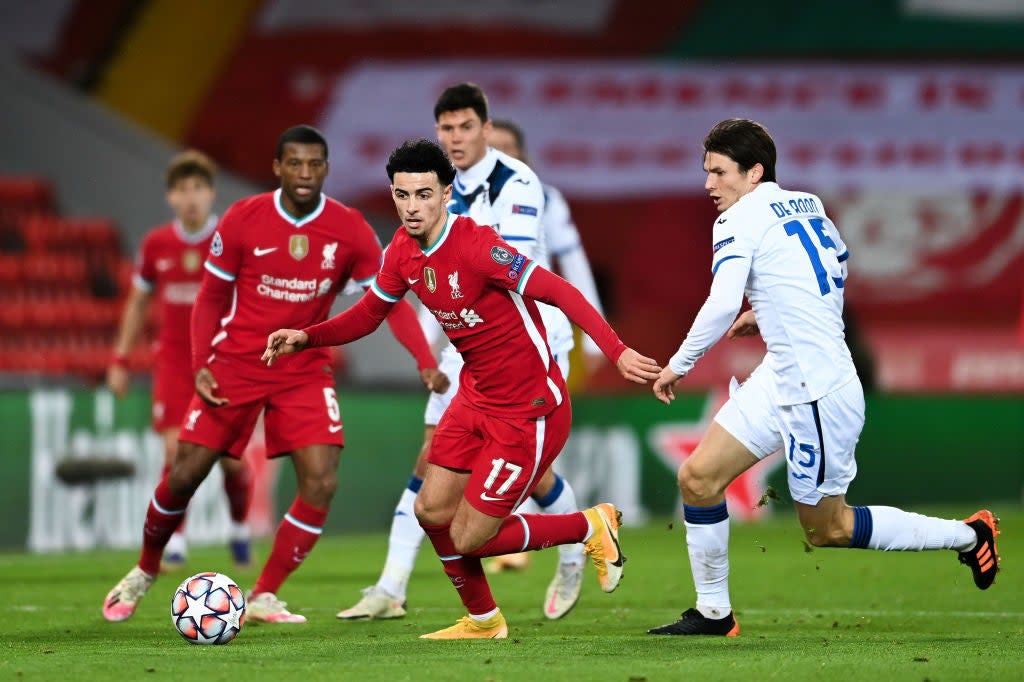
<point x="721" y="221"/>
<point x="411" y="281"/>
<point x="263" y="252"/>
<point x="487" y="498"/>
<point x="164" y="264"/>
<point x="334" y="428"/>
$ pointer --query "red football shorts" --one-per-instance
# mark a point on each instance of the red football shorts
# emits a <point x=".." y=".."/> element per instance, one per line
<point x="505" y="456"/>
<point x="173" y="388"/>
<point x="299" y="410"/>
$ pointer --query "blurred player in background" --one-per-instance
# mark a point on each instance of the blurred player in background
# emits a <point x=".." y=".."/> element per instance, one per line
<point x="511" y="415"/>
<point x="497" y="190"/>
<point x="780" y="249"/>
<point x="276" y="259"/>
<point x="169" y="268"/>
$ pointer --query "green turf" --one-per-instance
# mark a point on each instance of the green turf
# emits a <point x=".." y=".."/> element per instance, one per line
<point x="814" y="615"/>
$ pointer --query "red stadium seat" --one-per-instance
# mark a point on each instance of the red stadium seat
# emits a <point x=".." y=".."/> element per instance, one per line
<point x="25" y="194"/>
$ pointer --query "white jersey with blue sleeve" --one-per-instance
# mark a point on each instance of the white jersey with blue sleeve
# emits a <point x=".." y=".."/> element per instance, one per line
<point x="781" y="250"/>
<point x="506" y="194"/>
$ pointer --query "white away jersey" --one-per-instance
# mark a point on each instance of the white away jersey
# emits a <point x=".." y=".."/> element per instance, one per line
<point x="791" y="265"/>
<point x="506" y="194"/>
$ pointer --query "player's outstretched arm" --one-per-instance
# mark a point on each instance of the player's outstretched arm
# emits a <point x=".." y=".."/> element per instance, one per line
<point x="355" y="323"/>
<point x="545" y="286"/>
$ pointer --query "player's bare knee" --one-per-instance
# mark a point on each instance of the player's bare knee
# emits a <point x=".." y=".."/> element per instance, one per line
<point x="696" y="485"/>
<point x="430" y="515"/>
<point x="318" y="490"/>
<point x="189" y="468"/>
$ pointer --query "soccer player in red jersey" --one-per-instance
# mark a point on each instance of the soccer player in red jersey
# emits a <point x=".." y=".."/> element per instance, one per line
<point x="511" y="414"/>
<point x="169" y="269"/>
<point x="276" y="259"/>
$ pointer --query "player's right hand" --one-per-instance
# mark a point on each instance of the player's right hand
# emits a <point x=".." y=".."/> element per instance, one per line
<point x="117" y="380"/>
<point x="435" y="380"/>
<point x="663" y="386"/>
<point x="283" y="342"/>
<point x="745" y="325"/>
<point x="206" y="387"/>
<point x="637" y="368"/>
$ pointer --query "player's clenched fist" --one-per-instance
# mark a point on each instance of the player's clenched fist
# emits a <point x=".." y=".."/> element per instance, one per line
<point x="283" y="342"/>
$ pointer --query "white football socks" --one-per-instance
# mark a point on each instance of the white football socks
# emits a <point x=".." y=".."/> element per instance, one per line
<point x="707" y="541"/>
<point x="403" y="546"/>
<point x="893" y="529"/>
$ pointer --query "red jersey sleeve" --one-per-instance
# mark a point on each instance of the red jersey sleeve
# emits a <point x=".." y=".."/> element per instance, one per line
<point x="505" y="267"/>
<point x="389" y="285"/>
<point x="144" y="278"/>
<point x="225" y="257"/>
<point x="368" y="252"/>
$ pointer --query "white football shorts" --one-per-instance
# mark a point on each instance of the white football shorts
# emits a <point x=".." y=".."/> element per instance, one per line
<point x="818" y="438"/>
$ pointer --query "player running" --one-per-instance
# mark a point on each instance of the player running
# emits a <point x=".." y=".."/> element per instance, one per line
<point x="495" y="189"/>
<point x="780" y="249"/>
<point x="511" y="415"/>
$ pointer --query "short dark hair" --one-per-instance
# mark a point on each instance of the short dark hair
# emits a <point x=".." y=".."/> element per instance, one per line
<point x="300" y="134"/>
<point x="190" y="163"/>
<point x="462" y="96"/>
<point x="744" y="141"/>
<point x="421" y="156"/>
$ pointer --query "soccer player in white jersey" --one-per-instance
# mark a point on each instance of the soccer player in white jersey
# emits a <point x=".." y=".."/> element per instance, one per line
<point x="493" y="189"/>
<point x="780" y="249"/>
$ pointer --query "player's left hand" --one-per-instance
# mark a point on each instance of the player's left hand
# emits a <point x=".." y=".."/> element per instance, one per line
<point x="637" y="368"/>
<point x="284" y="342"/>
<point x="435" y="380"/>
<point x="663" y="387"/>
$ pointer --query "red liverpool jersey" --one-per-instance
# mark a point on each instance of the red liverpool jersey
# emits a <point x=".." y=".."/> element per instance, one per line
<point x="472" y="281"/>
<point x="170" y="267"/>
<point x="286" y="272"/>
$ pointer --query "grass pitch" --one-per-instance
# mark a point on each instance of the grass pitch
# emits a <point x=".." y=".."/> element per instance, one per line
<point x="805" y="615"/>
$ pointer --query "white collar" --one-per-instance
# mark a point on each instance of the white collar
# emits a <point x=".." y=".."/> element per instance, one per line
<point x="298" y="222"/>
<point x="195" y="237"/>
<point x="468" y="180"/>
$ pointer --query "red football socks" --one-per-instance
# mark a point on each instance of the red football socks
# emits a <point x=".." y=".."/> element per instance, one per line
<point x="299" y="530"/>
<point x="523" y="532"/>
<point x="162" y="517"/>
<point x="466" y="573"/>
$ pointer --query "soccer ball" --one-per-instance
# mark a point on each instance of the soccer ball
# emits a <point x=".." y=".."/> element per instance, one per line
<point x="208" y="608"/>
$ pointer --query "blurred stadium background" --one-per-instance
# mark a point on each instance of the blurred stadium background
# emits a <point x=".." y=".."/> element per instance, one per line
<point x="904" y="115"/>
